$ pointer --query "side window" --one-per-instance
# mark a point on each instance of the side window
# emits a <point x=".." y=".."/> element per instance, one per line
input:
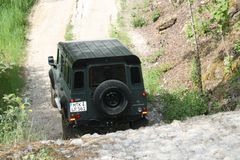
<point x="62" y="62"/>
<point x="57" y="56"/>
<point x="135" y="75"/>
<point x="78" y="80"/>
<point x="66" y="73"/>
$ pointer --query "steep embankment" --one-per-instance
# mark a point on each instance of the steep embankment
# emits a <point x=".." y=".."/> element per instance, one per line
<point x="207" y="137"/>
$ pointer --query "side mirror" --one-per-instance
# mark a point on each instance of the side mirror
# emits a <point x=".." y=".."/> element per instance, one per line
<point x="51" y="61"/>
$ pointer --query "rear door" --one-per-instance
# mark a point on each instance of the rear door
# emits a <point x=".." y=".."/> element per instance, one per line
<point x="137" y="86"/>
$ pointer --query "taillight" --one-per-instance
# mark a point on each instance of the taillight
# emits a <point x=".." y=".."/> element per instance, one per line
<point x="74" y="117"/>
<point x="72" y="100"/>
<point x="144" y="94"/>
<point x="144" y="112"/>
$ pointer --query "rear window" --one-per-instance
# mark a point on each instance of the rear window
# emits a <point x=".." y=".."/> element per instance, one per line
<point x="98" y="74"/>
<point x="135" y="75"/>
<point x="78" y="80"/>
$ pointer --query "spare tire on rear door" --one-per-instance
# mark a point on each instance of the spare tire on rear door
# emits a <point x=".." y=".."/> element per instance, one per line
<point x="112" y="97"/>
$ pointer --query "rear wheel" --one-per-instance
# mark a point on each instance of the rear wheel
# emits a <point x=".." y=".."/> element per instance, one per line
<point x="53" y="96"/>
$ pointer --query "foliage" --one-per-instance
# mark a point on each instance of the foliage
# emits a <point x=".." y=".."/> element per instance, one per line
<point x="237" y="47"/>
<point x="13" y="24"/>
<point x="13" y="119"/>
<point x="182" y="104"/>
<point x="153" y="57"/>
<point x="228" y="61"/>
<point x="212" y="18"/>
<point x="4" y="66"/>
<point x="155" y="15"/>
<point x="69" y="32"/>
<point x="152" y="81"/>
<point x="42" y="154"/>
<point x="139" y="21"/>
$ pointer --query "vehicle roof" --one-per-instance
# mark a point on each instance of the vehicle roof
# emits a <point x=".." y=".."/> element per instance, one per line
<point x="82" y="50"/>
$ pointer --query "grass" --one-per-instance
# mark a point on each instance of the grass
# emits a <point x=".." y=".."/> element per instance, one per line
<point x="153" y="58"/>
<point x="139" y="21"/>
<point x="152" y="81"/>
<point x="182" y="104"/>
<point x="155" y="15"/>
<point x="13" y="29"/>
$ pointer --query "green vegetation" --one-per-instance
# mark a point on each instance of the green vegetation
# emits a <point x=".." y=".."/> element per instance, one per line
<point x="152" y="81"/>
<point x="153" y="58"/>
<point x="42" y="154"/>
<point x="182" y="104"/>
<point x="139" y="21"/>
<point x="237" y="47"/>
<point x="14" y="120"/>
<point x="155" y="15"/>
<point x="69" y="32"/>
<point x="13" y="27"/>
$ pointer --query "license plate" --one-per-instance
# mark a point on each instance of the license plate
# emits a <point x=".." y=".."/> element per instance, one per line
<point x="78" y="106"/>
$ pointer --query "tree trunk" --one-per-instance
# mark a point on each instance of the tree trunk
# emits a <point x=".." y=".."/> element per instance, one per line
<point x="197" y="54"/>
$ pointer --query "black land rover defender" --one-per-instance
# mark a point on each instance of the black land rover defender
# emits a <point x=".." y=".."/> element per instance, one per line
<point x="97" y="83"/>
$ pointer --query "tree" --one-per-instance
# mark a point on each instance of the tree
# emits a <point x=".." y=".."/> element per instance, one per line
<point x="196" y="60"/>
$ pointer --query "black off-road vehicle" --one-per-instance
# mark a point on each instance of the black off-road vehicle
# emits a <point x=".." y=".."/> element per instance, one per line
<point x="97" y="83"/>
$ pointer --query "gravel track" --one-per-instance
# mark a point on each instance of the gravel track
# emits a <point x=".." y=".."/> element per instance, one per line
<point x="91" y="20"/>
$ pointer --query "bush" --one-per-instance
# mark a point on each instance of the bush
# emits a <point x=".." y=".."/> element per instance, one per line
<point x="152" y="81"/>
<point x="155" y="15"/>
<point x="182" y="104"/>
<point x="139" y="22"/>
<point x="4" y="66"/>
<point x="13" y="120"/>
<point x="237" y="46"/>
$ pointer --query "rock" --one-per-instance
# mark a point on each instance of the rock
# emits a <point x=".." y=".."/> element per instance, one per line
<point x="176" y="2"/>
<point x="59" y="142"/>
<point x="76" y="142"/>
<point x="234" y="8"/>
<point x="166" y="23"/>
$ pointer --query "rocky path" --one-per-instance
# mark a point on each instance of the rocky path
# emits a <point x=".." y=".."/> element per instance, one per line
<point x="215" y="137"/>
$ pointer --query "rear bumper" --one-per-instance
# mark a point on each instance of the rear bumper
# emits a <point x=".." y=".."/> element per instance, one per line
<point x="109" y="122"/>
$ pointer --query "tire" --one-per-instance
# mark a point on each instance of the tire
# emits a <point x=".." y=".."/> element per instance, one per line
<point x="53" y="96"/>
<point x="112" y="97"/>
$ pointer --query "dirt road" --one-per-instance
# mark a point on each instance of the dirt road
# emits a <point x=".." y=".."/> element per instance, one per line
<point x="91" y="19"/>
<point x="48" y="24"/>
